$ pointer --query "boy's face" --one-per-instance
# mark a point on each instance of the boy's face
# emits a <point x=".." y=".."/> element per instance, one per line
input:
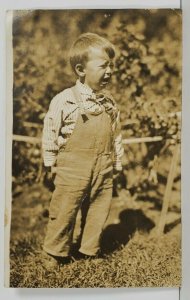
<point x="98" y="69"/>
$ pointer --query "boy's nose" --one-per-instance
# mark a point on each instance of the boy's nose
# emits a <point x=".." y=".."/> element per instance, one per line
<point x="108" y="70"/>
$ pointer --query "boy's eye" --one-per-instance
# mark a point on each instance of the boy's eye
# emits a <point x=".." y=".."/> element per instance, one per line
<point x="111" y="65"/>
<point x="103" y="66"/>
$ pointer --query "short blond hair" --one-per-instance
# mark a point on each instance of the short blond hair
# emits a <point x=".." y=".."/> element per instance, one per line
<point x="79" y="50"/>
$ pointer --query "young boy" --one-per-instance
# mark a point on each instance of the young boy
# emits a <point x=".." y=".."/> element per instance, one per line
<point x="82" y="146"/>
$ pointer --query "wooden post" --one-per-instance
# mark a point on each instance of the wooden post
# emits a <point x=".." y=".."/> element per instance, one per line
<point x="167" y="194"/>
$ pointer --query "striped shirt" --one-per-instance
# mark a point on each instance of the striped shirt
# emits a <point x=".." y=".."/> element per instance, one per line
<point x="60" y="121"/>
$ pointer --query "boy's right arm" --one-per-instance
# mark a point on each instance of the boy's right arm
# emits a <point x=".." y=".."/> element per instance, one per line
<point x="52" y="123"/>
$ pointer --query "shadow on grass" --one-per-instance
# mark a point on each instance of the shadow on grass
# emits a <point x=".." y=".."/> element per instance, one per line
<point x="171" y="225"/>
<point x="116" y="235"/>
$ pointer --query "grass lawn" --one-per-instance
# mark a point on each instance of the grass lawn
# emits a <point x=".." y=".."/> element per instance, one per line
<point x="134" y="256"/>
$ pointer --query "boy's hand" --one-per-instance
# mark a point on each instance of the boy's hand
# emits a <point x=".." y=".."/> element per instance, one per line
<point x="119" y="178"/>
<point x="50" y="172"/>
<point x="117" y="181"/>
<point x="49" y="177"/>
<point x="53" y="170"/>
<point x="116" y="173"/>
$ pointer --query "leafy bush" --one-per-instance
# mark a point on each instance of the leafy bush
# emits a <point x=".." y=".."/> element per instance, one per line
<point x="147" y="80"/>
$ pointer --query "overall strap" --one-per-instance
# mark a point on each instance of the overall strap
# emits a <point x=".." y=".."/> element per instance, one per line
<point x="79" y="102"/>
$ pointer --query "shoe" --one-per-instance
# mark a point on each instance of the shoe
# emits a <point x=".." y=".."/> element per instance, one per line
<point x="50" y="262"/>
<point x="54" y="263"/>
<point x="79" y="255"/>
<point x="65" y="260"/>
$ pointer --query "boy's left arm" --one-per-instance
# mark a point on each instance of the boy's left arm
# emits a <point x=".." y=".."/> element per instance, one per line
<point x="118" y="147"/>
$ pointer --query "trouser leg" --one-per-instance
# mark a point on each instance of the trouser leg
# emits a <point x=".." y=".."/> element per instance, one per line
<point x="80" y="220"/>
<point x="64" y="206"/>
<point x="99" y="206"/>
<point x="71" y="183"/>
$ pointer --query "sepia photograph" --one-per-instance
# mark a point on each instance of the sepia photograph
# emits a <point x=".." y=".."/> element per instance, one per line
<point x="96" y="143"/>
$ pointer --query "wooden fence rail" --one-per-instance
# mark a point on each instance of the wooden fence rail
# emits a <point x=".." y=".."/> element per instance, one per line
<point x="37" y="140"/>
<point x="26" y="139"/>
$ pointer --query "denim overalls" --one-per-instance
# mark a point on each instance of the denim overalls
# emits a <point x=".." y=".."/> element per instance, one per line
<point x="84" y="168"/>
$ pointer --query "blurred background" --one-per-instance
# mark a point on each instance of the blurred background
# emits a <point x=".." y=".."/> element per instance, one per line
<point x="146" y="82"/>
<point x="146" y="86"/>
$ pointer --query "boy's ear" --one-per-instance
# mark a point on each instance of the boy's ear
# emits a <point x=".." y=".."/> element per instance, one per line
<point x="79" y="69"/>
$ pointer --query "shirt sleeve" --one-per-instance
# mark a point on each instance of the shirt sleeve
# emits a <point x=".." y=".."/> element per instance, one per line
<point x="52" y="124"/>
<point x="118" y="147"/>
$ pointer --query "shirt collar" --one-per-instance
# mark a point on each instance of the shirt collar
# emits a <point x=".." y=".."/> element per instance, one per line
<point x="84" y="89"/>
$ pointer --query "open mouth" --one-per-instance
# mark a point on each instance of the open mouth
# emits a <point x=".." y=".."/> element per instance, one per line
<point x="106" y="80"/>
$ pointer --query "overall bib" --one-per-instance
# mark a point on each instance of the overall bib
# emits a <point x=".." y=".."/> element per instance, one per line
<point x="84" y="168"/>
